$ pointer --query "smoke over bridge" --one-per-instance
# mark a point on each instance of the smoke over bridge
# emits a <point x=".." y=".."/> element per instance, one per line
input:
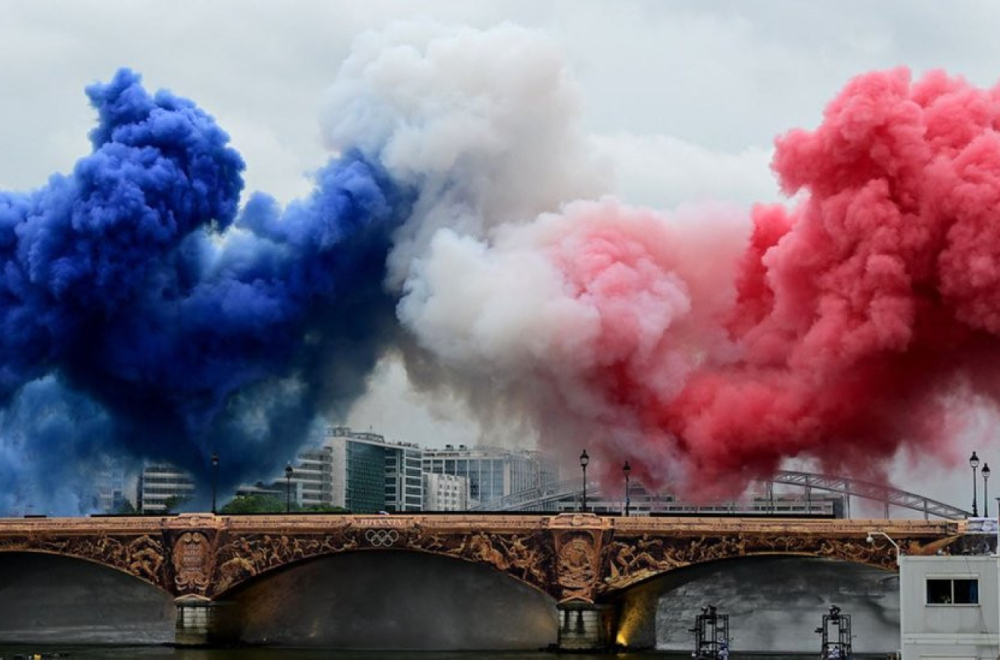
<point x="148" y="309"/>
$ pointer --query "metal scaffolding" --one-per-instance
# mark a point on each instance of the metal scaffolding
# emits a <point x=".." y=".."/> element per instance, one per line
<point x="711" y="635"/>
<point x="836" y="632"/>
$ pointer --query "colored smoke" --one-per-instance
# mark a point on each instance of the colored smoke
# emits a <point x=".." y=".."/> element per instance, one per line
<point x="147" y="309"/>
<point x="134" y="287"/>
<point x="483" y="123"/>
<point x="860" y="320"/>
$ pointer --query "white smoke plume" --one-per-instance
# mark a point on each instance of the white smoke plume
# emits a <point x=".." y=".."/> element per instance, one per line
<point x="484" y="122"/>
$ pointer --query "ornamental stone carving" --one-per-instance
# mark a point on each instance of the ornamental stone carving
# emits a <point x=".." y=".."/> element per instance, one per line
<point x="192" y="559"/>
<point x="578" y="566"/>
<point x="571" y="557"/>
<point x="142" y="556"/>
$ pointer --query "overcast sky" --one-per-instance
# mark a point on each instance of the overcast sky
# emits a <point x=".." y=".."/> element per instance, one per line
<point x="683" y="98"/>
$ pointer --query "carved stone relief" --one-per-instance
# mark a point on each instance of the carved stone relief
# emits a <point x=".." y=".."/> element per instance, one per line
<point x="571" y="557"/>
<point x="141" y="556"/>
<point x="192" y="561"/>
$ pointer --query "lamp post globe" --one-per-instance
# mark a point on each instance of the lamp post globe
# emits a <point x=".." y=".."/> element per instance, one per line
<point x="288" y="488"/>
<point x="627" y="469"/>
<point x="215" y="478"/>
<point x="986" y="489"/>
<point x="974" y="464"/>
<point x="584" y="461"/>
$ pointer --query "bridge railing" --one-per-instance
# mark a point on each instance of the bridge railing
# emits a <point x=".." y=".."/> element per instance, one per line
<point x="537" y="498"/>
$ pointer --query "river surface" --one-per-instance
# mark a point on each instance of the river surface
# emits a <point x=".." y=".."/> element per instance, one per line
<point x="7" y="652"/>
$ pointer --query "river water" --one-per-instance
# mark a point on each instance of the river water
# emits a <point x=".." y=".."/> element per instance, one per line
<point x="164" y="653"/>
<point x="7" y="652"/>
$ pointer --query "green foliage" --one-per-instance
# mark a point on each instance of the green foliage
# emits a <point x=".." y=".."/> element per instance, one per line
<point x="173" y="503"/>
<point x="272" y="504"/>
<point x="325" y="508"/>
<point x="124" y="508"/>
<point x="254" y="504"/>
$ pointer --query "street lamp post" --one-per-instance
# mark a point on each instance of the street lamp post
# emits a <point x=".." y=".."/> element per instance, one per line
<point x="986" y="490"/>
<point x="871" y="539"/>
<point x="584" y="459"/>
<point x="974" y="463"/>
<point x="215" y="478"/>
<point x="288" y="488"/>
<point x="626" y="469"/>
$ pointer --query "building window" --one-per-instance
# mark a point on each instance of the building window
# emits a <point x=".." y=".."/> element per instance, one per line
<point x="963" y="591"/>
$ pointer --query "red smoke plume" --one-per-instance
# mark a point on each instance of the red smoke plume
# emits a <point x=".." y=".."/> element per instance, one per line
<point x="861" y="312"/>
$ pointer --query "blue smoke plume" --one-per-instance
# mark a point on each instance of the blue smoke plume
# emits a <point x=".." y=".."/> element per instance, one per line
<point x="136" y="291"/>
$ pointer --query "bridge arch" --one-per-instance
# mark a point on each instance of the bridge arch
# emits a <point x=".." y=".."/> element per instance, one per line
<point x="526" y="557"/>
<point x="137" y="562"/>
<point x="774" y="603"/>
<point x="59" y="598"/>
<point x="632" y="560"/>
<point x="238" y="572"/>
<point x="348" y="600"/>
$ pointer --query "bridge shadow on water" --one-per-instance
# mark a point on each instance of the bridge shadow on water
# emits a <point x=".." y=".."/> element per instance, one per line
<point x="361" y="600"/>
<point x="391" y="599"/>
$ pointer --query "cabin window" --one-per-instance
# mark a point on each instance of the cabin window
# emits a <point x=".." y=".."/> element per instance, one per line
<point x="964" y="591"/>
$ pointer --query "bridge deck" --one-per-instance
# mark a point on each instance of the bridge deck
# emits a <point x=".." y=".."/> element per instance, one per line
<point x="463" y="521"/>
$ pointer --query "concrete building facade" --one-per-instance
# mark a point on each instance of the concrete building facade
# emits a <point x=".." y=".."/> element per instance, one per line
<point x="162" y="485"/>
<point x="492" y="472"/>
<point x="353" y="470"/>
<point x="445" y="492"/>
<point x="312" y="477"/>
<point x="113" y="490"/>
<point x="369" y="474"/>
<point x="404" y="483"/>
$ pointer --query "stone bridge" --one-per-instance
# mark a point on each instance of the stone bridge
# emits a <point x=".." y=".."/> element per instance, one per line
<point x="583" y="561"/>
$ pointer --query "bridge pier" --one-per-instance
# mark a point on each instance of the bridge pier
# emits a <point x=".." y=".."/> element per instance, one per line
<point x="204" y="622"/>
<point x="585" y="626"/>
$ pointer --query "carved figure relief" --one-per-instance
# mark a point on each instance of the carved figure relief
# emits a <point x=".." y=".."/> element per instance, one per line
<point x="246" y="556"/>
<point x="526" y="556"/>
<point x="146" y="558"/>
<point x="141" y="556"/>
<point x="630" y="559"/>
<point x="570" y="557"/>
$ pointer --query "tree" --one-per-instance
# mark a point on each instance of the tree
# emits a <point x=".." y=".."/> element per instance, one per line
<point x="258" y="503"/>
<point x="254" y="504"/>
<point x="125" y="508"/>
<point x="325" y="508"/>
<point x="173" y="503"/>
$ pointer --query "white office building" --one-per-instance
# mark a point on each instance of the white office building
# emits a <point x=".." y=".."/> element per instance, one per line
<point x="355" y="470"/>
<point x="113" y="491"/>
<point x="312" y="478"/>
<point x="404" y="484"/>
<point x="445" y="492"/>
<point x="163" y="487"/>
<point x="368" y="474"/>
<point x="492" y="472"/>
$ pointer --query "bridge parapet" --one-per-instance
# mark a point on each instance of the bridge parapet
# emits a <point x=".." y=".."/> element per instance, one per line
<point x="573" y="557"/>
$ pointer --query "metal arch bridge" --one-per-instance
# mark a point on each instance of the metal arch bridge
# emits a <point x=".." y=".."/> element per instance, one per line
<point x="534" y="499"/>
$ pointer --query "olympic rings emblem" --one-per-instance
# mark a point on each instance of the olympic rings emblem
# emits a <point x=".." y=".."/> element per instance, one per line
<point x="382" y="538"/>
